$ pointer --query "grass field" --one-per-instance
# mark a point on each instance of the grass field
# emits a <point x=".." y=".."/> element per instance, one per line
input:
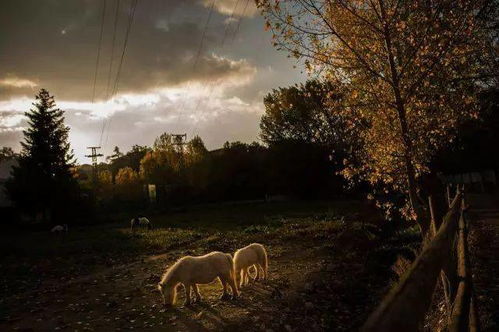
<point x="322" y="255"/>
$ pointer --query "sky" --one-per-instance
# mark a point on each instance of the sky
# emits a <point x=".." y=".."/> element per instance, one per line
<point x="178" y="75"/>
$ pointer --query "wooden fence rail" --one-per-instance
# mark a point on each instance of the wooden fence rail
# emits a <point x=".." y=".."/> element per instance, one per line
<point x="406" y="305"/>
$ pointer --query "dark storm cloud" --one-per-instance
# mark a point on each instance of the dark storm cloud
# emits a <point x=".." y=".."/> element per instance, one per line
<point x="55" y="43"/>
<point x="162" y="88"/>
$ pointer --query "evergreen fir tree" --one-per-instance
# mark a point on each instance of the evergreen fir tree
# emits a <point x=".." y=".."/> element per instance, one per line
<point x="42" y="183"/>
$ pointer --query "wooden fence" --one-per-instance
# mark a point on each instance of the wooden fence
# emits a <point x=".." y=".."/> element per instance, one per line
<point x="406" y="305"/>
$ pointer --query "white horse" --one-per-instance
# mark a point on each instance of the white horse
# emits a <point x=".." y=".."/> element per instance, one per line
<point x="59" y="229"/>
<point x="191" y="271"/>
<point x="253" y="255"/>
<point x="140" y="221"/>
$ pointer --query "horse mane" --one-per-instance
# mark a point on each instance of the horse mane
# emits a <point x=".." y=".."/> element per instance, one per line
<point x="167" y="276"/>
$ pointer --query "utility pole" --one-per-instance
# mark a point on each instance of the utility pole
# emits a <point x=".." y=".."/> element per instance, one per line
<point x="179" y="140"/>
<point x="94" y="155"/>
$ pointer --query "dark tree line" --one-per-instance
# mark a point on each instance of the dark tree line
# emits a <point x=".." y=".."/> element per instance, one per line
<point x="305" y="139"/>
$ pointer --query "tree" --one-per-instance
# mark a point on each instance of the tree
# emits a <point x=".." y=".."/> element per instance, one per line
<point x="303" y="113"/>
<point x="307" y="138"/>
<point x="6" y="153"/>
<point x="43" y="181"/>
<point x="195" y="151"/>
<point x="309" y="114"/>
<point x="302" y="169"/>
<point x="116" y="154"/>
<point x="408" y="71"/>
<point x="128" y="184"/>
<point x="475" y="148"/>
<point x="127" y="176"/>
<point x="158" y="166"/>
<point x="105" y="178"/>
<point x="164" y="142"/>
<point x="131" y="159"/>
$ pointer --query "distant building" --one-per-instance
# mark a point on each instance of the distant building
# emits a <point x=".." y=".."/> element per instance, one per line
<point x="5" y="170"/>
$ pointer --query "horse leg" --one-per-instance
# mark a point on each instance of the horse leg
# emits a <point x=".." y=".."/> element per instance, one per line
<point x="245" y="275"/>
<point x="225" y="295"/>
<point x="196" y="292"/>
<point x="261" y="271"/>
<point x="187" y="294"/>
<point x="233" y="286"/>
<point x="241" y="278"/>
<point x="257" y="273"/>
<point x="247" y="278"/>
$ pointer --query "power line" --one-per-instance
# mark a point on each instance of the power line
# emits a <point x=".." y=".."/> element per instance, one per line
<point x="204" y="33"/>
<point x="228" y="22"/>
<point x="223" y="40"/>
<point x="232" y="41"/>
<point x="116" y="16"/>
<point x="240" y="19"/>
<point x="99" y="49"/>
<point x="133" y="6"/>
<point x="131" y="14"/>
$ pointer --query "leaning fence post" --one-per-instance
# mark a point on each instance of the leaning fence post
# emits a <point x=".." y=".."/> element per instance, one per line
<point x="433" y="225"/>
<point x="449" y="199"/>
<point x="461" y="311"/>
<point x="443" y="276"/>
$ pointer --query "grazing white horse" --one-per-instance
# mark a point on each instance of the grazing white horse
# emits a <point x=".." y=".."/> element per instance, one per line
<point x="191" y="271"/>
<point x="252" y="255"/>
<point x="140" y="221"/>
<point x="59" y="229"/>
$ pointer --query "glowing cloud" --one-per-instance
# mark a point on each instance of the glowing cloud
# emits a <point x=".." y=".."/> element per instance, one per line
<point x="233" y="7"/>
<point x="15" y="82"/>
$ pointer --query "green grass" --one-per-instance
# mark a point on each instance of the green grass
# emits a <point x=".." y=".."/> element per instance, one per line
<point x="340" y="244"/>
<point x="28" y="258"/>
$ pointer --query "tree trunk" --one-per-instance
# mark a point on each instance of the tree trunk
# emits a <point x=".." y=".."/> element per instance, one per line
<point x="422" y="221"/>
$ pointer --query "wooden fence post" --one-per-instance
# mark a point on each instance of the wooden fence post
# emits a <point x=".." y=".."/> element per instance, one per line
<point x="405" y="306"/>
<point x="449" y="199"/>
<point x="459" y="318"/>
<point x="433" y="226"/>
<point x="443" y="276"/>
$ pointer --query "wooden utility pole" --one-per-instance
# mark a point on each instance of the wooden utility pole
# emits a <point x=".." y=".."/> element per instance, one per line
<point x="94" y="155"/>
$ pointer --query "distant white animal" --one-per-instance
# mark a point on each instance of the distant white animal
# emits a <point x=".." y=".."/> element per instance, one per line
<point x="59" y="229"/>
<point x="253" y="255"/>
<point x="191" y="271"/>
<point x="140" y="221"/>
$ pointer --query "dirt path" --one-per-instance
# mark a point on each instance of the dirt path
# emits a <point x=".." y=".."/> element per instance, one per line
<point x="125" y="297"/>
<point x="326" y="271"/>
<point x="485" y="259"/>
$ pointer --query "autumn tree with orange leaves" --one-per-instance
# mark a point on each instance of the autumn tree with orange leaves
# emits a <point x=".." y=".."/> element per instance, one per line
<point x="409" y="70"/>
